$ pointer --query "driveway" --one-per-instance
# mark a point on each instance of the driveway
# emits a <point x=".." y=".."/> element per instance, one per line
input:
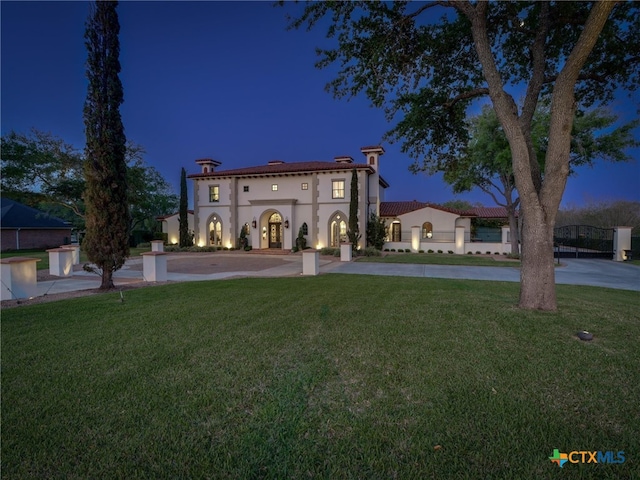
<point x="599" y="273"/>
<point x="595" y="272"/>
<point x="218" y="266"/>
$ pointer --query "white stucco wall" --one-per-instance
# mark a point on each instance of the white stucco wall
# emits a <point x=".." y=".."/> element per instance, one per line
<point x="313" y="206"/>
<point x="444" y="225"/>
<point x="171" y="226"/>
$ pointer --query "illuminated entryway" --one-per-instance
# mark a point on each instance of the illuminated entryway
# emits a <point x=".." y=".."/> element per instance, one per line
<point x="275" y="230"/>
<point x="215" y="230"/>
<point x="337" y="229"/>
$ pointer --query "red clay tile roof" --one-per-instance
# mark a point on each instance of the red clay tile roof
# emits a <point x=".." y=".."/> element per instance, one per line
<point x="490" y="212"/>
<point x="283" y="168"/>
<point x="393" y="209"/>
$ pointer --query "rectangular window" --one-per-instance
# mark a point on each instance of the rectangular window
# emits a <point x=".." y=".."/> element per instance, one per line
<point x="274" y="187"/>
<point x="214" y="193"/>
<point x="245" y="188"/>
<point x="305" y="186"/>
<point x="337" y="190"/>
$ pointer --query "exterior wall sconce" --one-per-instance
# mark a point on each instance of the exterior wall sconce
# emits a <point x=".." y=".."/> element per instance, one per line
<point x="286" y="223"/>
<point x="429" y="234"/>
<point x="254" y="224"/>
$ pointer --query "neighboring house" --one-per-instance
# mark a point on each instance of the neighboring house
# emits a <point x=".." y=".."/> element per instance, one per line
<point x="171" y="225"/>
<point x="24" y="228"/>
<point x="277" y="200"/>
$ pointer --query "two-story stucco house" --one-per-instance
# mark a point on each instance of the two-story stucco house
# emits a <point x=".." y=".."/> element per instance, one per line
<point x="274" y="201"/>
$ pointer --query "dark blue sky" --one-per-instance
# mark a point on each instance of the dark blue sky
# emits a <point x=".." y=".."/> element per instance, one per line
<point x="223" y="80"/>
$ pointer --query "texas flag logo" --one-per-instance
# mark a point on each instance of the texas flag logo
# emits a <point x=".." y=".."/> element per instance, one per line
<point x="559" y="458"/>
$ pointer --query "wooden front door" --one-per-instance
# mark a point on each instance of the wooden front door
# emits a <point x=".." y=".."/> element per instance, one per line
<point x="275" y="235"/>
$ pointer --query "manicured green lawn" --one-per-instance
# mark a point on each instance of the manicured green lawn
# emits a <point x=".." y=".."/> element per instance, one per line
<point x="441" y="259"/>
<point x="43" y="264"/>
<point x="335" y="376"/>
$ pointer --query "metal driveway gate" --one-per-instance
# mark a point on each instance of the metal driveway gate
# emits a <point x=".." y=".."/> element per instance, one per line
<point x="583" y="241"/>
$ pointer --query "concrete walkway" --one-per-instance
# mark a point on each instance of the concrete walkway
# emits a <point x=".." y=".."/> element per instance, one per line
<point x="601" y="273"/>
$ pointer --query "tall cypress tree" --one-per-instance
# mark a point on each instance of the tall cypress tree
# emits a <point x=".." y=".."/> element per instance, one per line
<point x="354" y="231"/>
<point x="105" y="169"/>
<point x="183" y="219"/>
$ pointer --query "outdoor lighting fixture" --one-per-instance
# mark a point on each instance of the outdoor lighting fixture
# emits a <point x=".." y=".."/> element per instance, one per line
<point x="429" y="234"/>
<point x="585" y="336"/>
<point x="254" y="224"/>
<point x="286" y="223"/>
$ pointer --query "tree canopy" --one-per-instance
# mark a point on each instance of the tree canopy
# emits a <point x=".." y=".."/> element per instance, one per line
<point x="486" y="162"/>
<point x="41" y="170"/>
<point x="426" y="62"/>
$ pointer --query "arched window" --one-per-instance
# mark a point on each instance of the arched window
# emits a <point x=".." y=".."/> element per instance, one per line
<point x="215" y="231"/>
<point x="337" y="229"/>
<point x="427" y="230"/>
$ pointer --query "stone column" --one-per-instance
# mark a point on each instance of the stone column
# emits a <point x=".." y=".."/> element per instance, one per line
<point x="621" y="242"/>
<point x="60" y="262"/>
<point x="310" y="262"/>
<point x="157" y="246"/>
<point x="154" y="266"/>
<point x="506" y="240"/>
<point x="75" y="249"/>
<point x="459" y="239"/>
<point x="345" y="252"/>
<point x="19" y="278"/>
<point x="415" y="239"/>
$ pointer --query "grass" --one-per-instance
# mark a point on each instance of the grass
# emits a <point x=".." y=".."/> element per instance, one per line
<point x="442" y="259"/>
<point x="43" y="264"/>
<point x="335" y="376"/>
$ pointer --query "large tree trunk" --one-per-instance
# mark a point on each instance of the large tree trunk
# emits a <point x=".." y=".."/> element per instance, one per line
<point x="540" y="196"/>
<point x="107" y="280"/>
<point x="537" y="273"/>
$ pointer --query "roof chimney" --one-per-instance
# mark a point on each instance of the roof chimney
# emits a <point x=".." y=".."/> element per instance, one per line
<point x="373" y="155"/>
<point x="208" y="164"/>
<point x="344" y="159"/>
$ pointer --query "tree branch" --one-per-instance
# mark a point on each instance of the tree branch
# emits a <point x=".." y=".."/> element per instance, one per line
<point x="476" y="92"/>
<point x="537" y="78"/>
<point x="533" y="91"/>
<point x="427" y="6"/>
<point x="563" y="108"/>
<point x="488" y="191"/>
<point x="74" y="208"/>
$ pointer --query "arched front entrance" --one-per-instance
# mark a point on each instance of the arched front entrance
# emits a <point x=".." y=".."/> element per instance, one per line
<point x="275" y="230"/>
<point x="337" y="229"/>
<point x="214" y="227"/>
